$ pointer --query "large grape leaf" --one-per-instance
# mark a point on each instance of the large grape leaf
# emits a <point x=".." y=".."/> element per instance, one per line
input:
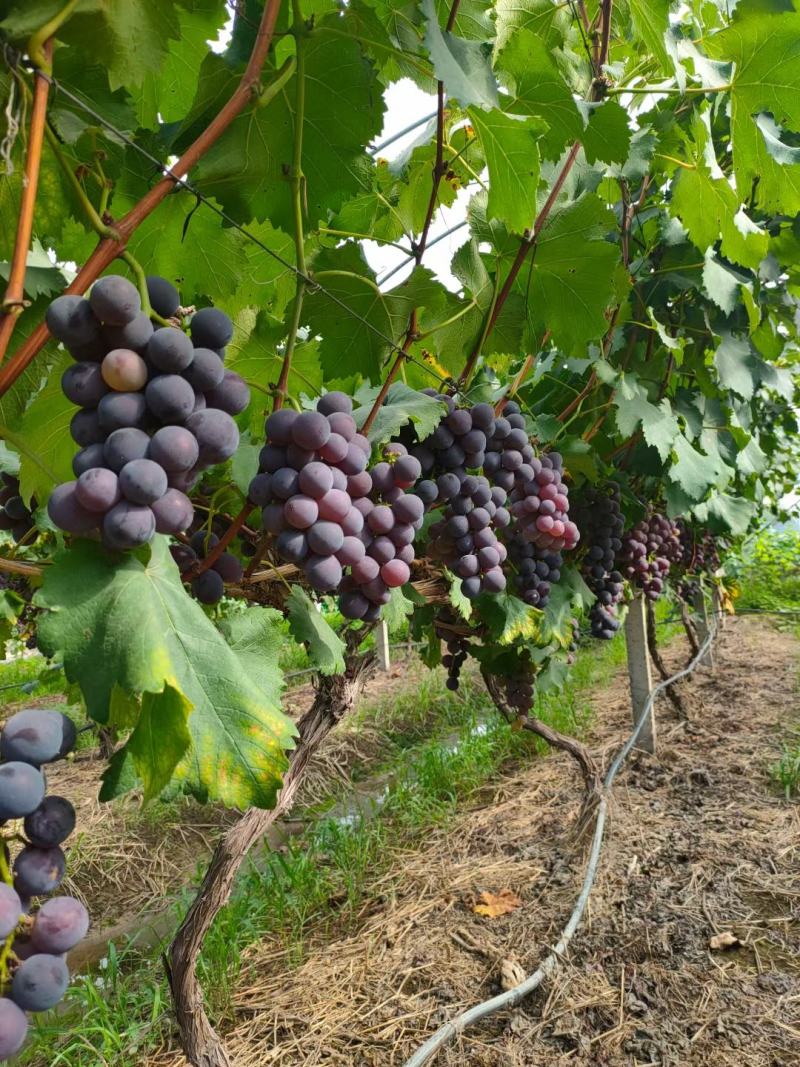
<point x="402" y="405"/>
<point x="128" y="622"/>
<point x="254" y="353"/>
<point x="463" y="66"/>
<point x="568" y="294"/>
<point x="651" y="22"/>
<point x="512" y="156"/>
<point x="766" y="53"/>
<point x="248" y="169"/>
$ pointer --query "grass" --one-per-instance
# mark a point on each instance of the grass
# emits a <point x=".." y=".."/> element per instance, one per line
<point x="120" y="1013"/>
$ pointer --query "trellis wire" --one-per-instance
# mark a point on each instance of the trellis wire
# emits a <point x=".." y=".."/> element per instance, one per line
<point x="513" y="996"/>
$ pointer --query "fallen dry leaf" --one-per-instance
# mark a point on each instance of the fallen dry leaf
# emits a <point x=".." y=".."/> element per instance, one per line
<point x="723" y="941"/>
<point x="494" y="904"/>
<point x="511" y="974"/>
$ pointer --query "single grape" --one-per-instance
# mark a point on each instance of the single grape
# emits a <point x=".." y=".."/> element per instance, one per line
<point x="395" y="573"/>
<point x="232" y="394"/>
<point x="366" y="570"/>
<point x="13" y="1028"/>
<point x="335" y="401"/>
<point x="324" y="573"/>
<point x="206" y="370"/>
<point x="334" y="505"/>
<point x="229" y="568"/>
<point x="211" y="328"/>
<point x="409" y="508"/>
<point x="37" y="736"/>
<point x="59" y="925"/>
<point x="494" y="581"/>
<point x="260" y="490"/>
<point x="310" y="430"/>
<point x="170" y="398"/>
<point x="285" y="482"/>
<point x="115" y="300"/>
<point x="325" y="538"/>
<point x="278" y="426"/>
<point x="301" y="512"/>
<point x="71" y="321"/>
<point x="134" y="334"/>
<point x="67" y="513"/>
<point x="128" y="525"/>
<point x="82" y="384"/>
<point x="174" y="448"/>
<point x="10" y="909"/>
<point x="381" y="519"/>
<point x="217" y="434"/>
<point x="40" y="982"/>
<point x="164" y="297"/>
<point x="173" y="512"/>
<point x="202" y="541"/>
<point x="38" y="871"/>
<point x="351" y="552"/>
<point x="208" y="587"/>
<point x="118" y="410"/>
<point x="344" y="424"/>
<point x="353" y="605"/>
<point x="142" y="481"/>
<point x="316" y="480"/>
<point x="292" y="545"/>
<point x="51" y="823"/>
<point x="97" y="489"/>
<point x="91" y="456"/>
<point x="85" y="428"/>
<point x="124" y="371"/>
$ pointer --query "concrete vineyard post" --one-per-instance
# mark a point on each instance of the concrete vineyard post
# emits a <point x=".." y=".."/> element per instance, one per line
<point x="639" y="672"/>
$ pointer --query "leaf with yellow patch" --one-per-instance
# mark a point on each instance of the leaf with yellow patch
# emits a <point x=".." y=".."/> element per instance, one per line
<point x="493" y="905"/>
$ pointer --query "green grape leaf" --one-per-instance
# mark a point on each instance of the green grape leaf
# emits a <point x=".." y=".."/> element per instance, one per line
<point x="41" y="277"/>
<point x="570" y="295"/>
<point x="462" y="65"/>
<point x="607" y="135"/>
<point x="692" y="471"/>
<point x="395" y="613"/>
<point x="128" y="622"/>
<point x="525" y="64"/>
<point x="766" y="53"/>
<point x="44" y="439"/>
<point x="659" y="426"/>
<point x="651" y="21"/>
<point x="258" y="637"/>
<point x="721" y="284"/>
<point x="307" y="625"/>
<point x="508" y="618"/>
<point x="542" y="18"/>
<point x="159" y="740"/>
<point x="737" y="366"/>
<point x="512" y="156"/>
<point x="402" y="405"/>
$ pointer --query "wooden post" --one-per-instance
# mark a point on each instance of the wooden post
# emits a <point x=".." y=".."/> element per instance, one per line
<point x="382" y="646"/>
<point x="716" y="606"/>
<point x="641" y="679"/>
<point x="701" y="621"/>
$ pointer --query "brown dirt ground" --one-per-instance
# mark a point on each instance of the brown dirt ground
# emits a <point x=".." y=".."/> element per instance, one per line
<point x="698" y="844"/>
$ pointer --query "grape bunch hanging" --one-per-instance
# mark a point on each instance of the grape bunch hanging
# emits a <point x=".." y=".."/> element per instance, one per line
<point x="33" y="972"/>
<point x="155" y="409"/>
<point x="328" y="512"/>
<point x="647" y="552"/>
<point x="603" y="524"/>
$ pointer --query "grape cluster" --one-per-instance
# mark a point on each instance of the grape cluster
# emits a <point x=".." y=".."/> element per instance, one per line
<point x="540" y="502"/>
<point x="698" y="554"/>
<point x="15" y="516"/>
<point x="328" y="512"/>
<point x="602" y="523"/>
<point x="156" y="408"/>
<point x="519" y="692"/>
<point x="465" y="536"/>
<point x="34" y="976"/>
<point x="209" y="586"/>
<point x="454" y="659"/>
<point x="647" y="551"/>
<point x="537" y="570"/>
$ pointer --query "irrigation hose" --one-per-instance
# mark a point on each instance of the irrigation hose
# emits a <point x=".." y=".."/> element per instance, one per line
<point x="512" y="997"/>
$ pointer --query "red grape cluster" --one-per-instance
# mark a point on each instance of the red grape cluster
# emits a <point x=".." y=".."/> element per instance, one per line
<point x="156" y="408"/>
<point x="540" y="503"/>
<point x="15" y="516"/>
<point x="602" y="523"/>
<point x="647" y="551"/>
<point x="328" y="512"/>
<point x="34" y="975"/>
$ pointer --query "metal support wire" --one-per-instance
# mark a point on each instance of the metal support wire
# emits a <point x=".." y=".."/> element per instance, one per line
<point x="513" y="996"/>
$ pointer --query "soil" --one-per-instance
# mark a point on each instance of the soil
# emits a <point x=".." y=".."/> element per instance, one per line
<point x="699" y="847"/>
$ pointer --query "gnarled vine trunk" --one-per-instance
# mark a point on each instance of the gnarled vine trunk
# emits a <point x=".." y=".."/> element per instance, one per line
<point x="655" y="655"/>
<point x="335" y="697"/>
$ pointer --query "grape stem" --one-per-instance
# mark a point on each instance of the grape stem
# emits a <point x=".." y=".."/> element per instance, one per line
<point x="109" y="247"/>
<point x="208" y="561"/>
<point x="15" y="566"/>
<point x="40" y="44"/>
<point x="14" y="298"/>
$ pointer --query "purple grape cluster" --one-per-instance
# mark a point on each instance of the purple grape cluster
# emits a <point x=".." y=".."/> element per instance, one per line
<point x="602" y="523"/>
<point x="209" y="586"/>
<point x="454" y="659"/>
<point x="15" y="516"/>
<point x="537" y="570"/>
<point x="647" y="551"/>
<point x="465" y="537"/>
<point x="35" y="976"/>
<point x="540" y="503"/>
<point x="698" y="554"/>
<point x="156" y="409"/>
<point x="392" y="517"/>
<point x="328" y="512"/>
